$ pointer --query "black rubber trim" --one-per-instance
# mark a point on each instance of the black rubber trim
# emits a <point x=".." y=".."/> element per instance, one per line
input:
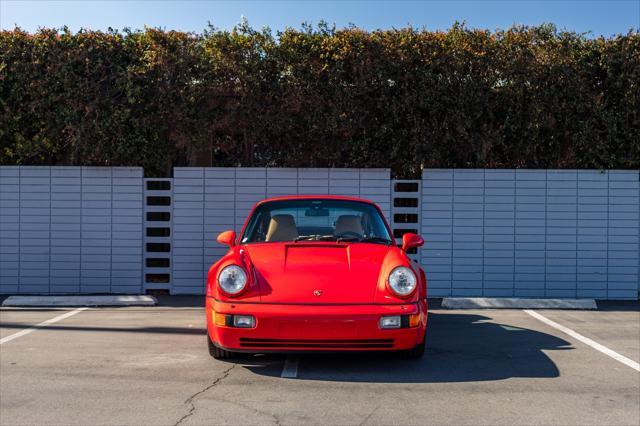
<point x="251" y="339"/>
<point x="299" y="351"/>
<point x="228" y="320"/>
<point x="404" y="321"/>
<point x="317" y="345"/>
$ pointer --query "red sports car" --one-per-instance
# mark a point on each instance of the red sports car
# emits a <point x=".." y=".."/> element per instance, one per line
<point x="316" y="273"/>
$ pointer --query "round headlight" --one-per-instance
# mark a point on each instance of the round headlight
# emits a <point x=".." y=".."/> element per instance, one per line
<point x="402" y="280"/>
<point x="232" y="279"/>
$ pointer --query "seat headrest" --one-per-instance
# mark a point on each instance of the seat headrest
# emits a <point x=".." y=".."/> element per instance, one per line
<point x="349" y="223"/>
<point x="282" y="227"/>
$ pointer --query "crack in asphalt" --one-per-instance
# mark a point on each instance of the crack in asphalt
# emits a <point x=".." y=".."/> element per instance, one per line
<point x="191" y="399"/>
<point x="366" y="419"/>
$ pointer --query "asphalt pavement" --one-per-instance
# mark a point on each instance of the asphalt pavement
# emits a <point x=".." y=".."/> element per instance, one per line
<point x="150" y="366"/>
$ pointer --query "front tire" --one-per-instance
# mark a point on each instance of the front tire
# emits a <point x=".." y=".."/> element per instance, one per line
<point x="216" y="352"/>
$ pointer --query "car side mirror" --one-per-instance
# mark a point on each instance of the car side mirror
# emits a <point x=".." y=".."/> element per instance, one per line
<point x="411" y="240"/>
<point x="227" y="238"/>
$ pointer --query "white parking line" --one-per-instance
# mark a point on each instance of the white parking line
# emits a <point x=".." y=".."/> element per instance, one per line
<point x="290" y="369"/>
<point x="595" y="345"/>
<point x="42" y="324"/>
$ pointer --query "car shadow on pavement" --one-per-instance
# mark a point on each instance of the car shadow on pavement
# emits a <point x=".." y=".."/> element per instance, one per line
<point x="460" y="348"/>
<point x="85" y="328"/>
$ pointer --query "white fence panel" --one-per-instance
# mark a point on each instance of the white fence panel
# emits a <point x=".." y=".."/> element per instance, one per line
<point x="69" y="230"/>
<point x="531" y="233"/>
<point x="187" y="246"/>
<point x="66" y="208"/>
<point x="498" y="240"/>
<point x="623" y="234"/>
<point x="207" y="201"/>
<point x="127" y="209"/>
<point x="9" y="229"/>
<point x="35" y="221"/>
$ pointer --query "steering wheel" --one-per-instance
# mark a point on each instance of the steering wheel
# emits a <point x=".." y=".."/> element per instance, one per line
<point x="348" y="234"/>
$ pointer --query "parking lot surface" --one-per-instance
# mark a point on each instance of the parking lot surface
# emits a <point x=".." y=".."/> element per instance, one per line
<point x="148" y="366"/>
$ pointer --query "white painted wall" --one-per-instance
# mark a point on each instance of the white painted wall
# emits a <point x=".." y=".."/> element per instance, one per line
<point x="529" y="233"/>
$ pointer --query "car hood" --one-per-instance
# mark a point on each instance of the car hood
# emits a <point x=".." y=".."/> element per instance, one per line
<point x="317" y="273"/>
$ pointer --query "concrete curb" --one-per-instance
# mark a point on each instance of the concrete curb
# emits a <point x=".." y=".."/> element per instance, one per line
<point x="121" y="300"/>
<point x="516" y="303"/>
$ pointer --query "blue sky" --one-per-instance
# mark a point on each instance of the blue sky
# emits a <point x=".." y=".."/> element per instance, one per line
<point x="595" y="16"/>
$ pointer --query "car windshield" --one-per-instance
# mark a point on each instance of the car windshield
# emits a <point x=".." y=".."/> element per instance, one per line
<point x="316" y="220"/>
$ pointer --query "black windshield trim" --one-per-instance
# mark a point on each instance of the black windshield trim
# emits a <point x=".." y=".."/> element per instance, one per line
<point x="312" y="199"/>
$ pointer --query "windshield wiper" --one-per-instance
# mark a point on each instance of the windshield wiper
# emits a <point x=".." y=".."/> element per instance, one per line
<point x="315" y="237"/>
<point x="349" y="238"/>
<point x="375" y="240"/>
<point x="305" y="238"/>
<point x="326" y="238"/>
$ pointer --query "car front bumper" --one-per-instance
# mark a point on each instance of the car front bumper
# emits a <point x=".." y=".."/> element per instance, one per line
<point x="285" y="328"/>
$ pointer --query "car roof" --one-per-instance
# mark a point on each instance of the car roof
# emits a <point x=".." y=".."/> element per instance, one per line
<point x="314" y="197"/>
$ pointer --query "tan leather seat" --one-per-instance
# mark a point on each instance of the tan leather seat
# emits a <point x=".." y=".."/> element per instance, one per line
<point x="282" y="227"/>
<point x="349" y="223"/>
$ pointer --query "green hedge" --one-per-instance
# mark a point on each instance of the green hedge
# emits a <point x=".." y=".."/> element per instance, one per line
<point x="405" y="99"/>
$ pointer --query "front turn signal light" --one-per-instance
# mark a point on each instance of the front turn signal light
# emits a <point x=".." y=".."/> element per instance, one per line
<point x="414" y="320"/>
<point x="219" y="319"/>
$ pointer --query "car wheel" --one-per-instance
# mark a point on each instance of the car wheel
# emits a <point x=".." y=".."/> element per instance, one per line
<point x="216" y="352"/>
<point x="416" y="352"/>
